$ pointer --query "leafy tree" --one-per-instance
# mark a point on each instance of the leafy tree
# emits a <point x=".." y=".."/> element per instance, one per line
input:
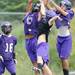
<point x="17" y="5"/>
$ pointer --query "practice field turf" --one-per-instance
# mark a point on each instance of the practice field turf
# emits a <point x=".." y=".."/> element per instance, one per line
<point x="24" y="66"/>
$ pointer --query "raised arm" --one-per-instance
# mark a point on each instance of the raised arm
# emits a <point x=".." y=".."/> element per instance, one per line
<point x="42" y="10"/>
<point x="53" y="19"/>
<point x="57" y="7"/>
<point x="29" y="6"/>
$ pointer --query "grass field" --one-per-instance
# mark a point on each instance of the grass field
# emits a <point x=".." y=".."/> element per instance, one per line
<point x="24" y="66"/>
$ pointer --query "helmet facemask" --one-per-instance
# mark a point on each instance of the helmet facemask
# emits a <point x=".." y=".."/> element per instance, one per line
<point x="6" y="28"/>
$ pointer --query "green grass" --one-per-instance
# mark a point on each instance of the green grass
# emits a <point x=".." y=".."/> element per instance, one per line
<point x="24" y="66"/>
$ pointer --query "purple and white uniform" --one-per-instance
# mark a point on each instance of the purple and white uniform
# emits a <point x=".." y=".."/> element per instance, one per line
<point x="64" y="39"/>
<point x="30" y="28"/>
<point x="7" y="45"/>
<point x="42" y="48"/>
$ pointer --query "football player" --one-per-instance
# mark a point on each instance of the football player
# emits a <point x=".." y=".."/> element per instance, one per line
<point x="31" y="30"/>
<point x="64" y="39"/>
<point x="7" y="46"/>
<point x="44" y="27"/>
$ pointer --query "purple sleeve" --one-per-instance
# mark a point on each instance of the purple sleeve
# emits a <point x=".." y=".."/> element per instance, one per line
<point x="50" y="13"/>
<point x="15" y="40"/>
<point x="70" y="14"/>
<point x="0" y="39"/>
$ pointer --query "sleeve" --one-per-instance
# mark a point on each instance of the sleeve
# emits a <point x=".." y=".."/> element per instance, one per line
<point x="51" y="13"/>
<point x="15" y="40"/>
<point x="70" y="14"/>
<point x="0" y="39"/>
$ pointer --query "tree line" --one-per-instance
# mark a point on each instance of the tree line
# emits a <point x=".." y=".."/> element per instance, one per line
<point x="17" y="5"/>
<point x="14" y="5"/>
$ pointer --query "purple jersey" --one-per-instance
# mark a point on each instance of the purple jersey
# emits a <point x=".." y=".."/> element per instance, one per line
<point x="65" y="19"/>
<point x="31" y="23"/>
<point x="7" y="44"/>
<point x="44" y="27"/>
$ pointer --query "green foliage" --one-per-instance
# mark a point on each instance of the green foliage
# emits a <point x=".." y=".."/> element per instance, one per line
<point x="14" y="5"/>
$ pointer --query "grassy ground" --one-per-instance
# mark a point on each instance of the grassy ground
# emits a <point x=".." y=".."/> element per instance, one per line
<point x="24" y="66"/>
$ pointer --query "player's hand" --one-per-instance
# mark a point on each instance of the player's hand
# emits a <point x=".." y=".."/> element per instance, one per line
<point x="1" y="58"/>
<point x="15" y="61"/>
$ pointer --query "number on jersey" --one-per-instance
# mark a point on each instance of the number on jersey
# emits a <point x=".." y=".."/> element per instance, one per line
<point x="29" y="20"/>
<point x="9" y="47"/>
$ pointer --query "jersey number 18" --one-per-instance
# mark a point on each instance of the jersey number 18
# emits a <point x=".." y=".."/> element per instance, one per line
<point x="9" y="47"/>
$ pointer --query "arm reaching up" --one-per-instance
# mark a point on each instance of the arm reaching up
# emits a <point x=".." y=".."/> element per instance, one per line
<point x="53" y="19"/>
<point x="62" y="11"/>
<point x="29" y="6"/>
